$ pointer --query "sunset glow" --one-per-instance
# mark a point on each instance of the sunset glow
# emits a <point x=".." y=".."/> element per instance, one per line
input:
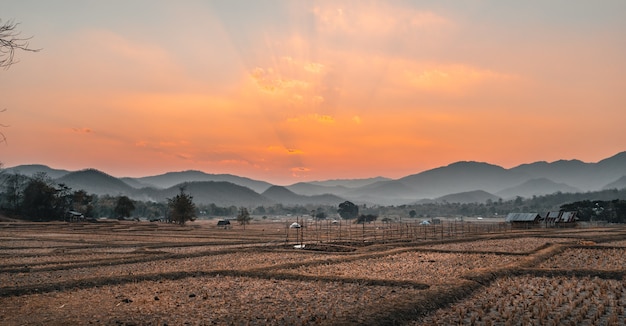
<point x="290" y="91"/>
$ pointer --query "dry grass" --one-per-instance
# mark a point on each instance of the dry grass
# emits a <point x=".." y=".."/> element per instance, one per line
<point x="126" y="273"/>
<point x="203" y="300"/>
<point x="507" y="245"/>
<point x="530" y="300"/>
<point x="425" y="267"/>
<point x="589" y="258"/>
<point x="614" y="244"/>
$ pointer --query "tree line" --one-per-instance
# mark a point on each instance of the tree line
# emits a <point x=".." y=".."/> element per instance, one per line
<point x="39" y="198"/>
<point x="611" y="211"/>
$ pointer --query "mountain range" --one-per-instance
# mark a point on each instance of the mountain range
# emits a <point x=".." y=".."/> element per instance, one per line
<point x="460" y="182"/>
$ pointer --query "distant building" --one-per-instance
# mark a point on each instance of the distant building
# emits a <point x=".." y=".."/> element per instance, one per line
<point x="560" y="219"/>
<point x="74" y="216"/>
<point x="523" y="220"/>
<point x="550" y="219"/>
<point x="567" y="217"/>
<point x="224" y="224"/>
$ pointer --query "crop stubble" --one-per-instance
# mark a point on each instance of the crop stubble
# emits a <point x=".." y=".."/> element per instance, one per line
<point x="148" y="274"/>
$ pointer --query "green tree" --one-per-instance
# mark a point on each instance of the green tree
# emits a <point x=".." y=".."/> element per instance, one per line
<point x="348" y="210"/>
<point x="182" y="208"/>
<point x="83" y="202"/>
<point x="14" y="185"/>
<point x="124" y="207"/>
<point x="369" y="218"/>
<point x="260" y="210"/>
<point x="243" y="217"/>
<point x="412" y="213"/>
<point x="39" y="201"/>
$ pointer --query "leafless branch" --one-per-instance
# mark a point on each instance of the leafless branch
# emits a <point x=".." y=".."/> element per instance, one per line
<point x="10" y="41"/>
<point x="3" y="138"/>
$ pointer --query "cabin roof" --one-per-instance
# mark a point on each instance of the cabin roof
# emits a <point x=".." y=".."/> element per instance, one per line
<point x="522" y="217"/>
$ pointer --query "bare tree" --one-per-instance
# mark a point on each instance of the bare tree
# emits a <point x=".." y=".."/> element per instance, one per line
<point x="10" y="41"/>
<point x="243" y="217"/>
<point x="3" y="138"/>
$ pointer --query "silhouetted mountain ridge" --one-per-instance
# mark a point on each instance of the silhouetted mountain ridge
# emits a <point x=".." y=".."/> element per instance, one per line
<point x="96" y="182"/>
<point x="285" y="196"/>
<point x="220" y="193"/>
<point x="476" y="196"/>
<point x="170" y="179"/>
<point x="535" y="187"/>
<point x="465" y="177"/>
<point x="617" y="184"/>
<point x="32" y="169"/>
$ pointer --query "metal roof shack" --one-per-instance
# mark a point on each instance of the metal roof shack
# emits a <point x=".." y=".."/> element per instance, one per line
<point x="560" y="219"/>
<point x="567" y="217"/>
<point x="526" y="220"/>
<point x="75" y="216"/>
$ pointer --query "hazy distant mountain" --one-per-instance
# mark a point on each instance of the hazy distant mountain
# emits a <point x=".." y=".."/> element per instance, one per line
<point x="285" y="196"/>
<point x="537" y="178"/>
<point x="282" y="195"/>
<point x="525" y="180"/>
<point x="476" y="196"/>
<point x="32" y="169"/>
<point x="220" y="193"/>
<point x="573" y="172"/>
<point x="308" y="189"/>
<point x="615" y="163"/>
<point x="96" y="182"/>
<point x="536" y="187"/>
<point x="454" y="178"/>
<point x="348" y="183"/>
<point x="135" y="183"/>
<point x="392" y="192"/>
<point x="461" y="177"/>
<point x="584" y="176"/>
<point x="170" y="179"/>
<point x="610" y="169"/>
<point x="617" y="184"/>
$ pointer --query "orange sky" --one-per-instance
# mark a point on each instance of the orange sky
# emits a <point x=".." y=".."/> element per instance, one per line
<point x="289" y="91"/>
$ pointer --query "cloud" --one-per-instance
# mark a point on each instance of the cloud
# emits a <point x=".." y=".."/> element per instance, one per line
<point x="294" y="80"/>
<point x="314" y="67"/>
<point x="300" y="171"/>
<point x="293" y="151"/>
<point x="319" y="118"/>
<point x="450" y="77"/>
<point x="374" y="19"/>
<point x="82" y="130"/>
<point x="273" y="82"/>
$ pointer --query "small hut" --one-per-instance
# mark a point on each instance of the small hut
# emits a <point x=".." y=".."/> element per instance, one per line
<point x="552" y="217"/>
<point x="75" y="216"/>
<point x="523" y="220"/>
<point x="560" y="219"/>
<point x="223" y="224"/>
<point x="567" y="219"/>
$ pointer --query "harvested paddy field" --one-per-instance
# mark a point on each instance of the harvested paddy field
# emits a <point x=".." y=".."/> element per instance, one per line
<point x="141" y="273"/>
